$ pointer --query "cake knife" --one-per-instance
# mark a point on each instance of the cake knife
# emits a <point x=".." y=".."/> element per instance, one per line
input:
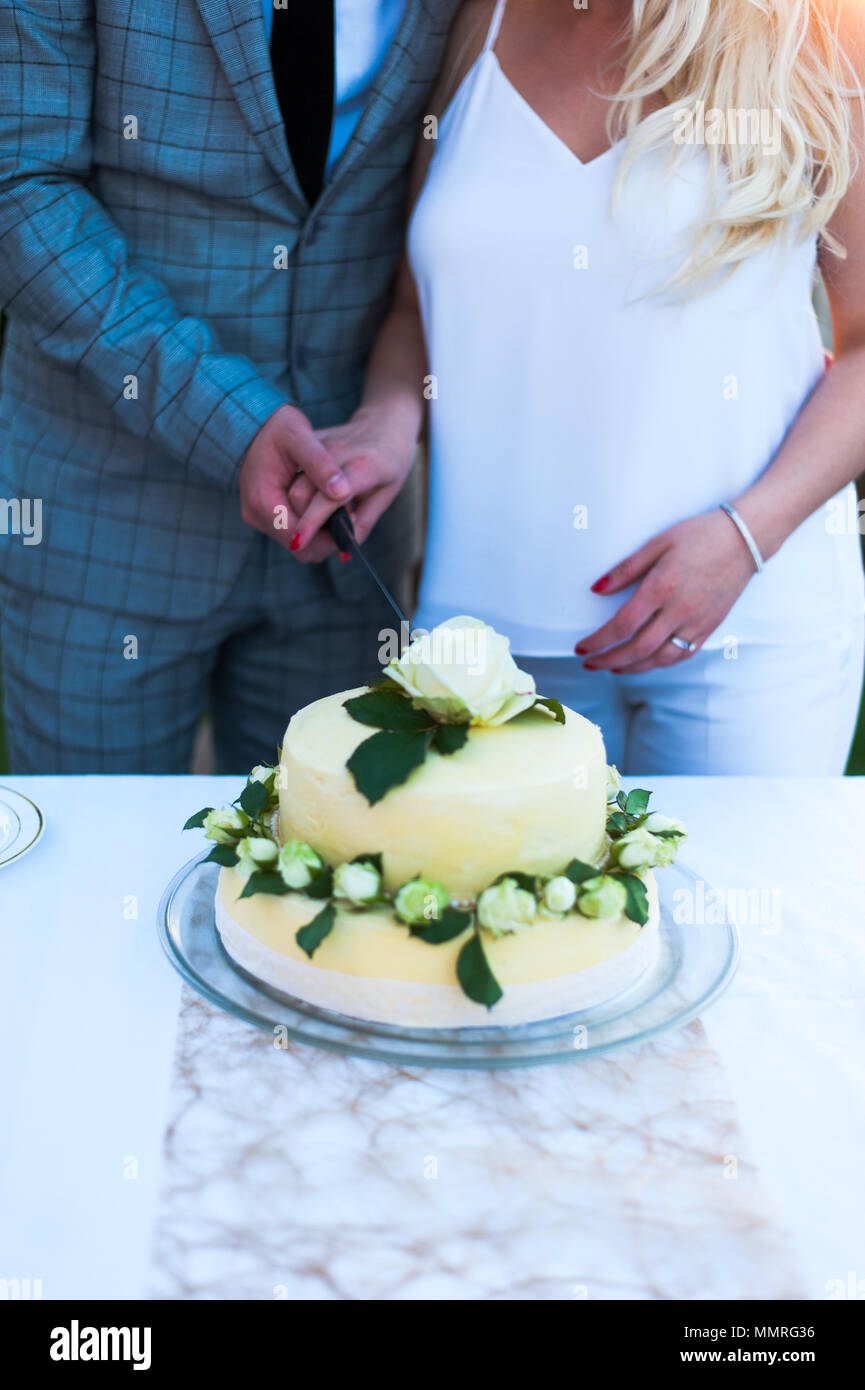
<point x="342" y="531"/>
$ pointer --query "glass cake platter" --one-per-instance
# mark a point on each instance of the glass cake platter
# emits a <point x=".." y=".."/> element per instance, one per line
<point x="20" y="825"/>
<point x="694" y="965"/>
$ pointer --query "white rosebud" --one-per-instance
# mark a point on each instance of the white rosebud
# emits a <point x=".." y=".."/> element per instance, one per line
<point x="603" y="896"/>
<point x="263" y="774"/>
<point x="298" y="864"/>
<point x="656" y="824"/>
<point x="255" y="852"/>
<point x="666" y="849"/>
<point x="421" y="900"/>
<point x="505" y="907"/>
<point x="614" y="783"/>
<point x="463" y="671"/>
<point x="225" y="825"/>
<point x="640" y="849"/>
<point x="559" y="894"/>
<point x="356" y="883"/>
<point x="636" y="850"/>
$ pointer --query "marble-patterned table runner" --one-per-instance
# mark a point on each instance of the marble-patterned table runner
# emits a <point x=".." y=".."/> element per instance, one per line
<point x="304" y="1175"/>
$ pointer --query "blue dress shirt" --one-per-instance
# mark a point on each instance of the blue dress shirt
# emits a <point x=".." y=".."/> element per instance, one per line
<point x="364" y="30"/>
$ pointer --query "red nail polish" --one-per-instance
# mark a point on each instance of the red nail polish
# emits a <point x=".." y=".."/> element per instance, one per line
<point x="294" y="543"/>
<point x="601" y="584"/>
<point x="344" y="556"/>
<point x="581" y="651"/>
<point x="587" y="666"/>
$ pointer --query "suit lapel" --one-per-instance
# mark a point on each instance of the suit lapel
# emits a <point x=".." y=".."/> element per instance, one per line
<point x="236" y="28"/>
<point x="391" y="81"/>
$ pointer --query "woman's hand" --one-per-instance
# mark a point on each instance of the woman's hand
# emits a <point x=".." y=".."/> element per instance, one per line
<point x="374" y="450"/>
<point x="691" y="576"/>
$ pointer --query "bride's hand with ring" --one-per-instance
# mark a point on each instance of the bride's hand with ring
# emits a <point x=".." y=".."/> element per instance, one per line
<point x="688" y="578"/>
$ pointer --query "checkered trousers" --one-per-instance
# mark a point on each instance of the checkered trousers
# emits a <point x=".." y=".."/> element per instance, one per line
<point x="90" y="690"/>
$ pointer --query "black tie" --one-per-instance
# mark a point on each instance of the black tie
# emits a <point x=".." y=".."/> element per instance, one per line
<point x="301" y="52"/>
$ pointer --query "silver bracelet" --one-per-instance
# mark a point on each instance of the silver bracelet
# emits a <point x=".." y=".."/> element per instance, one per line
<point x="745" y="533"/>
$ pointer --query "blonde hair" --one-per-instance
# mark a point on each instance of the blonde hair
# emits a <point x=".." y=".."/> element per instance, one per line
<point x="782" y="57"/>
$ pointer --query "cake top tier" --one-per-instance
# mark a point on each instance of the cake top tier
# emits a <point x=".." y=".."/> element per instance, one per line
<point x="531" y="752"/>
<point x="510" y="787"/>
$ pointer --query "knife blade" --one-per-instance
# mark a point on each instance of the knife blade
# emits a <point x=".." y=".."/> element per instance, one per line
<point x="342" y="531"/>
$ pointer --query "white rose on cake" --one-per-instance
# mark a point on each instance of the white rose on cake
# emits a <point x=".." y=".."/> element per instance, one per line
<point x="298" y="864"/>
<point x="420" y="900"/>
<point x="656" y="824"/>
<point x="255" y="852"/>
<point x="356" y="883"/>
<point x="602" y="896"/>
<point x="225" y="825"/>
<point x="614" y="783"/>
<point x="559" y="895"/>
<point x="263" y="774"/>
<point x="463" y="671"/>
<point x="505" y="907"/>
<point x="640" y="849"/>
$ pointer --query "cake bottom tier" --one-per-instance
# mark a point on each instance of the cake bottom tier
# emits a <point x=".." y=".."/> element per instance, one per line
<point x="369" y="968"/>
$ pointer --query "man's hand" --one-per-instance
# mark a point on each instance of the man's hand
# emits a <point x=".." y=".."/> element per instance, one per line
<point x="285" y="446"/>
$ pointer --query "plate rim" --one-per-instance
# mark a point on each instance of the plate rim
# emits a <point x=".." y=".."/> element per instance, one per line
<point x="40" y="825"/>
<point x="350" y="1046"/>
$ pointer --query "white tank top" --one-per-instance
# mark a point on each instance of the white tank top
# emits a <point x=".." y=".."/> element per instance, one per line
<point x="575" y="414"/>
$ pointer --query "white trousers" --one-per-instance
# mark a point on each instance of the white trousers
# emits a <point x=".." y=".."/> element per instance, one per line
<point x="769" y="710"/>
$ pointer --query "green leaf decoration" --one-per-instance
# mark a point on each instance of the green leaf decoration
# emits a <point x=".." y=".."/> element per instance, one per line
<point x="622" y="800"/>
<point x="254" y="798"/>
<point x="477" y="980"/>
<point x="322" y="885"/>
<point x="374" y="859"/>
<point x="310" y="937"/>
<point x="637" y="802"/>
<point x="450" y="738"/>
<point x="388" y="709"/>
<point x="554" y="706"/>
<point x="386" y="683"/>
<point x="578" y="871"/>
<point x="616" y="824"/>
<point x="197" y="821"/>
<point x="221" y="854"/>
<point x="527" y="881"/>
<point x="265" y="881"/>
<point x="450" y="924"/>
<point x="387" y="759"/>
<point x="637" y="906"/>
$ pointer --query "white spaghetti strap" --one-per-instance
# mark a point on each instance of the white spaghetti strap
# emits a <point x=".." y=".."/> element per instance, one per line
<point x="495" y="25"/>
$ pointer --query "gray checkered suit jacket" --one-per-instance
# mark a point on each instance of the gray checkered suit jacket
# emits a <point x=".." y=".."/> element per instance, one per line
<point x="145" y="188"/>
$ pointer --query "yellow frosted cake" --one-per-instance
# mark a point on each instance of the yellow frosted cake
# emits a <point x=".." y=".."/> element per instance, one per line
<point x="442" y="849"/>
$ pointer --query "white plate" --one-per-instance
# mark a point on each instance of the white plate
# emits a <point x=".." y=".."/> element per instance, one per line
<point x="20" y="825"/>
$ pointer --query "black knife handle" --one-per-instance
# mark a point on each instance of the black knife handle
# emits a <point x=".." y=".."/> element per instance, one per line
<point x="342" y="531"/>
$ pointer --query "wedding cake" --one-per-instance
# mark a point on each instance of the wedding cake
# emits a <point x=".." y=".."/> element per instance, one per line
<point x="442" y="849"/>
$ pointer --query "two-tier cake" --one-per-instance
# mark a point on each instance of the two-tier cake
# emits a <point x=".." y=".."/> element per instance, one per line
<point x="441" y="849"/>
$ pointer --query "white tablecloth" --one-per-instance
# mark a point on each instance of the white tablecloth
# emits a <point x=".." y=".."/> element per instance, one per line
<point x="88" y="1009"/>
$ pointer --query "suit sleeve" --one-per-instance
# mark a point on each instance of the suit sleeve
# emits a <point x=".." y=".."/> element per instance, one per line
<point x="65" y="275"/>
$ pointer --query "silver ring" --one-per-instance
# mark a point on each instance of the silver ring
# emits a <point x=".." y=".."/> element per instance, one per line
<point x="683" y="644"/>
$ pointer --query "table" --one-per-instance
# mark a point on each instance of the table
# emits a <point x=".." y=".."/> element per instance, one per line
<point x="89" y="1012"/>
